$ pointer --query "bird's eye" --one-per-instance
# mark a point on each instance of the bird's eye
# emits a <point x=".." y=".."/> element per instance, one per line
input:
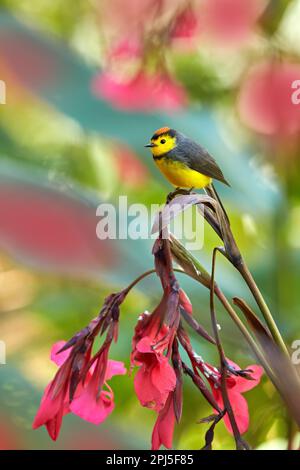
<point x="163" y="141"/>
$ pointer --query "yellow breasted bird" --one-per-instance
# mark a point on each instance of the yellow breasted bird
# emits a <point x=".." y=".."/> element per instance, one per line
<point x="183" y="162"/>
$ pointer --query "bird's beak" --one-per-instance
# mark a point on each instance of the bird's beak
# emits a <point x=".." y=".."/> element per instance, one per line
<point x="150" y="145"/>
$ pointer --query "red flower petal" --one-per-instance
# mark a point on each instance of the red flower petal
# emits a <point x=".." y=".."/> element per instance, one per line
<point x="231" y="21"/>
<point x="236" y="385"/>
<point x="60" y="358"/>
<point x="91" y="409"/>
<point x="148" y="395"/>
<point x="243" y="385"/>
<point x="164" y="427"/>
<point x="240" y="409"/>
<point x="163" y="376"/>
<point x="143" y="92"/>
<point x="51" y="412"/>
<point x="186" y="25"/>
<point x="153" y="383"/>
<point x="145" y="345"/>
<point x="114" y="368"/>
<point x="265" y="101"/>
<point x="87" y="404"/>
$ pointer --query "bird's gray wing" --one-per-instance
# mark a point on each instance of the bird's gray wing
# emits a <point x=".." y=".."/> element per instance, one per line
<point x="199" y="159"/>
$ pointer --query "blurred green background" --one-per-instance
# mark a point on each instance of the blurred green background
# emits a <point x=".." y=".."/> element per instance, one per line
<point x="64" y="150"/>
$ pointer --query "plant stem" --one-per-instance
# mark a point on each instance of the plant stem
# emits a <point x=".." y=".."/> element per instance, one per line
<point x="292" y="432"/>
<point x="247" y="276"/>
<point x="252" y="344"/>
<point x="240" y="443"/>
<point x="138" y="279"/>
<point x="232" y="253"/>
<point x="145" y="274"/>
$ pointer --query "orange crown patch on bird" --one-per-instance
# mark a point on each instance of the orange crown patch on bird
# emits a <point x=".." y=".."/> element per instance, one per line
<point x="161" y="131"/>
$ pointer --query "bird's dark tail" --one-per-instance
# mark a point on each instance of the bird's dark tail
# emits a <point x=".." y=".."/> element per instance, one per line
<point x="212" y="192"/>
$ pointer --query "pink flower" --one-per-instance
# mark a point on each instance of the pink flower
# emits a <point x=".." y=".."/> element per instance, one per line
<point x="231" y="21"/>
<point x="153" y="341"/>
<point x="90" y="402"/>
<point x="54" y="403"/>
<point x="51" y="412"/>
<point x="155" y="377"/>
<point x="236" y="385"/>
<point x="186" y="25"/>
<point x="144" y="92"/>
<point x="186" y="29"/>
<point x="93" y="404"/>
<point x="265" y="100"/>
<point x="164" y="427"/>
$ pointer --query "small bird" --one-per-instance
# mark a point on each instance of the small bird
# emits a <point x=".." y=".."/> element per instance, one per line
<point x="184" y="162"/>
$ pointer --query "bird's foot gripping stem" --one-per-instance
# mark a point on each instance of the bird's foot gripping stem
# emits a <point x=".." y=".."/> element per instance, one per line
<point x="178" y="191"/>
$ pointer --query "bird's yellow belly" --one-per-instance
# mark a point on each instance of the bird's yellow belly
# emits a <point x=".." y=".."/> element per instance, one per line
<point x="181" y="175"/>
